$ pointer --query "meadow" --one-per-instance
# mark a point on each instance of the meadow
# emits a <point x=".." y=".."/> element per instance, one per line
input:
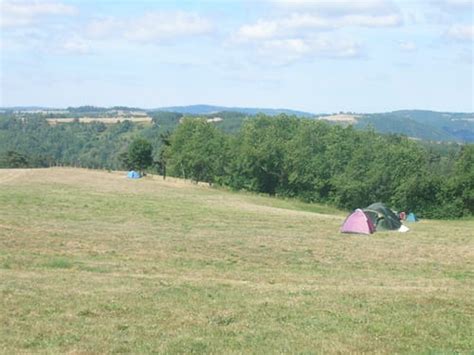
<point x="91" y="262"/>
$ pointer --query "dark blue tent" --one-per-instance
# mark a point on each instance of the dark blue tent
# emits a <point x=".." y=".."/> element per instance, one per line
<point x="133" y="174"/>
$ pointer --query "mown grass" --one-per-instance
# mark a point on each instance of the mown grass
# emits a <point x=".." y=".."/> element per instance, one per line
<point x="93" y="262"/>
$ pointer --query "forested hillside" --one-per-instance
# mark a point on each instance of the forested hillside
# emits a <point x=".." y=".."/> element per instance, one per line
<point x="311" y="160"/>
<point x="210" y="109"/>
<point x="428" y="125"/>
<point x="417" y="124"/>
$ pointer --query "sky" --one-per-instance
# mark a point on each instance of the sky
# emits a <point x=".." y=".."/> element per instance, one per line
<point x="317" y="56"/>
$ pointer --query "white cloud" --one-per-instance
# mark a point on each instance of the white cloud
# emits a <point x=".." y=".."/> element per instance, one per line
<point x="74" y="45"/>
<point x="66" y="37"/>
<point x="158" y="26"/>
<point x="407" y="46"/>
<point x="259" y="30"/>
<point x="339" y="7"/>
<point x="293" y="46"/>
<point x="390" y="20"/>
<point x="103" y="28"/>
<point x="27" y="13"/>
<point x="150" y="27"/>
<point x="297" y="20"/>
<point x="44" y="42"/>
<point x="309" y="28"/>
<point x="461" y="32"/>
<point x="296" y="23"/>
<point x="320" y="15"/>
<point x="289" y="50"/>
<point x="335" y="48"/>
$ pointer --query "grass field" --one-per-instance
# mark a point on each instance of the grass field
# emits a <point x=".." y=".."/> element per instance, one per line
<point x="91" y="262"/>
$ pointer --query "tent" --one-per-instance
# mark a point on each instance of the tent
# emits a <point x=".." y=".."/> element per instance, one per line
<point x="133" y="175"/>
<point x="358" y="222"/>
<point x="382" y="217"/>
<point x="411" y="217"/>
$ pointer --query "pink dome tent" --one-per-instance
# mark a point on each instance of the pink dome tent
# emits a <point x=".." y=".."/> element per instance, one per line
<point x="358" y="222"/>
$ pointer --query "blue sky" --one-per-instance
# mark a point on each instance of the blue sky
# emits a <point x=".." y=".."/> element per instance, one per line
<point x="318" y="56"/>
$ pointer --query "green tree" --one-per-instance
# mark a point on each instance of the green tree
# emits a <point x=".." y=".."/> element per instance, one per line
<point x="463" y="181"/>
<point x="124" y="160"/>
<point x="139" y="154"/>
<point x="197" y="151"/>
<point x="261" y="148"/>
<point x="165" y="139"/>
<point x="13" y="159"/>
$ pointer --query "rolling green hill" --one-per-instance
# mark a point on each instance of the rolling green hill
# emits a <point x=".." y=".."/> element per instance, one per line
<point x="211" y="109"/>
<point x="426" y="125"/>
<point x="91" y="262"/>
<point x="420" y="124"/>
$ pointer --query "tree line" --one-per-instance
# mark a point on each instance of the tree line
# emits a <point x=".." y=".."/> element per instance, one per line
<point x="318" y="162"/>
<point x="285" y="156"/>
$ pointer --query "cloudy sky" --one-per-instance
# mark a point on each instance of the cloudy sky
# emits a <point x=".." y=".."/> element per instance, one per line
<point x="313" y="55"/>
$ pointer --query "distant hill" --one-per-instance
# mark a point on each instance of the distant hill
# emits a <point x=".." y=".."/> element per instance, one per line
<point x="211" y="109"/>
<point x="26" y="108"/>
<point x="187" y="110"/>
<point x="427" y="125"/>
<point x="420" y="124"/>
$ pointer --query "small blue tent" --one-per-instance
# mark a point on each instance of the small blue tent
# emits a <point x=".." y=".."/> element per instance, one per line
<point x="411" y="217"/>
<point x="133" y="174"/>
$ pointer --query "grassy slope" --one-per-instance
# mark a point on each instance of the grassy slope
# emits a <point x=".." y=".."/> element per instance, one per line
<point x="93" y="262"/>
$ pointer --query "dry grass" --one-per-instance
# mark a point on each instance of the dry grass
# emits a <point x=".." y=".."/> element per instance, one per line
<point x="345" y="118"/>
<point x="106" y="120"/>
<point x="93" y="262"/>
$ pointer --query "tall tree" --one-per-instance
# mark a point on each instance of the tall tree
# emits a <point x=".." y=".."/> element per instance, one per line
<point x="140" y="154"/>
<point x="13" y="159"/>
<point x="197" y="151"/>
<point x="261" y="147"/>
<point x="165" y="139"/>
